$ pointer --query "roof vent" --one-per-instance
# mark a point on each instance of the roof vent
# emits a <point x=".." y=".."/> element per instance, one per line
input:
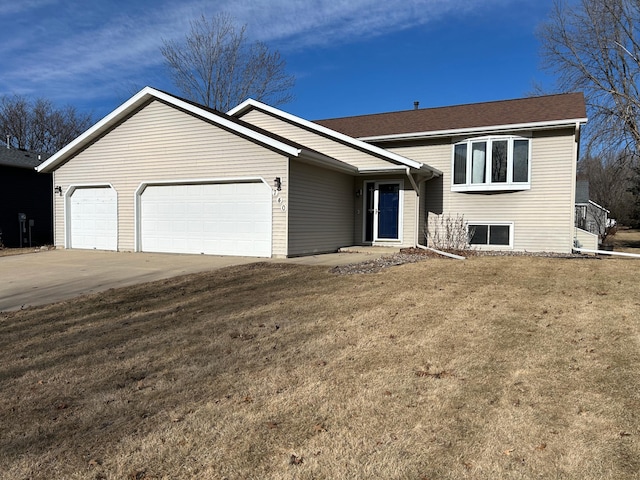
<point x="416" y="104"/>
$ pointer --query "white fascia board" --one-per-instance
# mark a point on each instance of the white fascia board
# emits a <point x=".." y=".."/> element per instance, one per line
<point x="138" y="100"/>
<point x="96" y="130"/>
<point x="598" y="206"/>
<point x="247" y="104"/>
<point x="471" y="130"/>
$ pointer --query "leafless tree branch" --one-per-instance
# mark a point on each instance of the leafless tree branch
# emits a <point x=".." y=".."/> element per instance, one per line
<point x="217" y="66"/>
<point x="594" y="46"/>
<point x="38" y="125"/>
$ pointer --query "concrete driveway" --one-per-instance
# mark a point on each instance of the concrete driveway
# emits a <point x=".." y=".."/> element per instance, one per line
<point x="55" y="275"/>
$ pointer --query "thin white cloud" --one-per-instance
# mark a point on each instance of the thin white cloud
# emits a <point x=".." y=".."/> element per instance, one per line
<point x="12" y="7"/>
<point x="302" y="23"/>
<point x="66" y="46"/>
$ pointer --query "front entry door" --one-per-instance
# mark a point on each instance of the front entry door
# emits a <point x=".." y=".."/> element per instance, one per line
<point x="383" y="211"/>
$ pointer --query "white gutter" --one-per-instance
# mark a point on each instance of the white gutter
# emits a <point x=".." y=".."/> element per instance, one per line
<point x="394" y="168"/>
<point x="326" y="161"/>
<point x="466" y="131"/>
<point x="606" y="252"/>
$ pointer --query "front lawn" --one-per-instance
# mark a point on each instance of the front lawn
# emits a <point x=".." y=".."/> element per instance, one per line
<point x="493" y="367"/>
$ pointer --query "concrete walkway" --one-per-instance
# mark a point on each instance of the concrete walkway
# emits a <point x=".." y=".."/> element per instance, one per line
<point x="55" y="275"/>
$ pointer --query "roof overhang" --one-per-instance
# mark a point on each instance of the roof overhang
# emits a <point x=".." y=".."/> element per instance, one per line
<point x="356" y="143"/>
<point x="548" y="125"/>
<point x="428" y="172"/>
<point x="143" y="97"/>
<point x="591" y="202"/>
<point x="316" y="158"/>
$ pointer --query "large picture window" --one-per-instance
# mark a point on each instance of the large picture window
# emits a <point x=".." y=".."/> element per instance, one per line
<point x="491" y="163"/>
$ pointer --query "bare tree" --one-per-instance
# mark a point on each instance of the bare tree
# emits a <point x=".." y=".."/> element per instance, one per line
<point x="593" y="46"/>
<point x="39" y="126"/>
<point x="610" y="180"/>
<point x="216" y="66"/>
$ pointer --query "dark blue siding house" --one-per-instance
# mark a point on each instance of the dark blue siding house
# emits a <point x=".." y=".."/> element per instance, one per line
<point x="26" y="199"/>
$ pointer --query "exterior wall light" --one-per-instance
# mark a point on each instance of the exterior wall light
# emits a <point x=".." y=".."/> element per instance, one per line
<point x="277" y="182"/>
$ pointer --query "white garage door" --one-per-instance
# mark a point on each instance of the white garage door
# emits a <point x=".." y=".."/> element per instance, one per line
<point x="93" y="217"/>
<point x="215" y="219"/>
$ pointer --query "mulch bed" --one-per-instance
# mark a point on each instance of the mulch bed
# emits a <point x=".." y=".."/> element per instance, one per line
<point x="414" y="255"/>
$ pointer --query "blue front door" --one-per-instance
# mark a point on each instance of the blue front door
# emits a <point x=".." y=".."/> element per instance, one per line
<point x="388" y="211"/>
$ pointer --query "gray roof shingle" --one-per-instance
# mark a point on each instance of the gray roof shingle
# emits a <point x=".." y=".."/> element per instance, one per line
<point x="14" y="157"/>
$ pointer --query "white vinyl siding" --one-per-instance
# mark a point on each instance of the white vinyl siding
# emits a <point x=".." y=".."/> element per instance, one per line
<point x="542" y="217"/>
<point x="161" y="143"/>
<point x="321" y="206"/>
<point x="587" y="240"/>
<point x="315" y="141"/>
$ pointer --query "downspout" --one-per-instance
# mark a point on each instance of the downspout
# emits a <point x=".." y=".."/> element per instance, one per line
<point x="416" y="188"/>
<point x="412" y="180"/>
<point x="416" y="234"/>
<point x="574" y="168"/>
<point x="54" y="202"/>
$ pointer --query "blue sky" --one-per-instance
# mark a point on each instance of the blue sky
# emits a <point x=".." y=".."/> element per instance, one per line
<point x="349" y="57"/>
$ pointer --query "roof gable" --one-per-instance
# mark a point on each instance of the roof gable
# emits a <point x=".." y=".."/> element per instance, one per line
<point x="149" y="94"/>
<point x="532" y="112"/>
<point x="251" y="104"/>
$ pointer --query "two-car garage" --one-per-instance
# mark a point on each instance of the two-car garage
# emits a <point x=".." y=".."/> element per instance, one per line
<point x="161" y="174"/>
<point x="215" y="218"/>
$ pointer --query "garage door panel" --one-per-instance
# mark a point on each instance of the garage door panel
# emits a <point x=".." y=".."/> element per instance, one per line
<point x="217" y="219"/>
<point x="93" y="218"/>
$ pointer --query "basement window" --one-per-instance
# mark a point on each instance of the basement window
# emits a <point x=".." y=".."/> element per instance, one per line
<point x="493" y="234"/>
<point x="491" y="164"/>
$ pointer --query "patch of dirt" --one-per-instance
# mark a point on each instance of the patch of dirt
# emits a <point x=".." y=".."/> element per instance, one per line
<point x="6" y="252"/>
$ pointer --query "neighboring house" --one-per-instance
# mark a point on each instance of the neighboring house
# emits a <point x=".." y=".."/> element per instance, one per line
<point x="590" y="216"/>
<point x="26" y="206"/>
<point x="163" y="174"/>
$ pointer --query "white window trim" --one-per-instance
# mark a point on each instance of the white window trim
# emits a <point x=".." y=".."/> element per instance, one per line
<point x="509" y="185"/>
<point x="488" y="246"/>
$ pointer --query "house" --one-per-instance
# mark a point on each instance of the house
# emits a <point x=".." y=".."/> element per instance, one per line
<point x="508" y="166"/>
<point x="590" y="216"/>
<point x="26" y="207"/>
<point x="163" y="174"/>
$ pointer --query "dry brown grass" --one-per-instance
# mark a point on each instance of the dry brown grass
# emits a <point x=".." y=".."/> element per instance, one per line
<point x="483" y="369"/>
<point x="626" y="240"/>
